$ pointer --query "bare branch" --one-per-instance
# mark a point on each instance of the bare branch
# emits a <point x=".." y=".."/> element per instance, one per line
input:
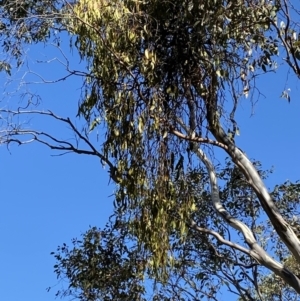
<point x="10" y="136"/>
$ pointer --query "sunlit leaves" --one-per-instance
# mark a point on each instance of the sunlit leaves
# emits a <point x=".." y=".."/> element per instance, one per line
<point x="147" y="60"/>
<point x="286" y="95"/>
<point x="153" y="67"/>
<point x="4" y="66"/>
<point x="150" y="64"/>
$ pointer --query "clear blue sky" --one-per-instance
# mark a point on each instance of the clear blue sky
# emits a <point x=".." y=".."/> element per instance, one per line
<point x="46" y="200"/>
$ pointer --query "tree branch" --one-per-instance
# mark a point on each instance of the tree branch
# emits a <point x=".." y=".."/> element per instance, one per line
<point x="198" y="139"/>
<point x="10" y="136"/>
<point x="256" y="251"/>
<point x="283" y="229"/>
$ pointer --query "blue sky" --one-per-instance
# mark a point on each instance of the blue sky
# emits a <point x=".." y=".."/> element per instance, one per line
<point x="47" y="200"/>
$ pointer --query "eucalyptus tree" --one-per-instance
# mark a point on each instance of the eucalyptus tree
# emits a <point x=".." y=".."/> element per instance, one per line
<point x="165" y="79"/>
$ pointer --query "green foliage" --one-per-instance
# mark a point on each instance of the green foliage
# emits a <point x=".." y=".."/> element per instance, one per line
<point x="101" y="266"/>
<point x="154" y="68"/>
<point x="152" y="63"/>
<point x="108" y="264"/>
<point x="272" y="287"/>
<point x="30" y="22"/>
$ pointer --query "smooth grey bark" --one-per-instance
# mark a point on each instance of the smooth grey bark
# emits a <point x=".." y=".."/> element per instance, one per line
<point x="283" y="229"/>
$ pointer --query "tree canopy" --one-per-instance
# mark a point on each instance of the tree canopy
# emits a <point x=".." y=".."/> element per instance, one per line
<point x="163" y="80"/>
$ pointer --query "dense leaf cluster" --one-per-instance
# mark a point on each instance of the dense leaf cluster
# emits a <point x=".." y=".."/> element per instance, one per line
<point x="163" y="79"/>
<point x="156" y="62"/>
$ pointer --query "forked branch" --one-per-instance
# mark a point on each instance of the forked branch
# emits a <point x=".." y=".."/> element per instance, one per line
<point x="16" y="134"/>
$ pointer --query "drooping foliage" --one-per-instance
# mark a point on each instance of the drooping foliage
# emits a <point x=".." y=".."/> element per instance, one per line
<point x="154" y="63"/>
<point x="106" y="264"/>
<point x="163" y="82"/>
